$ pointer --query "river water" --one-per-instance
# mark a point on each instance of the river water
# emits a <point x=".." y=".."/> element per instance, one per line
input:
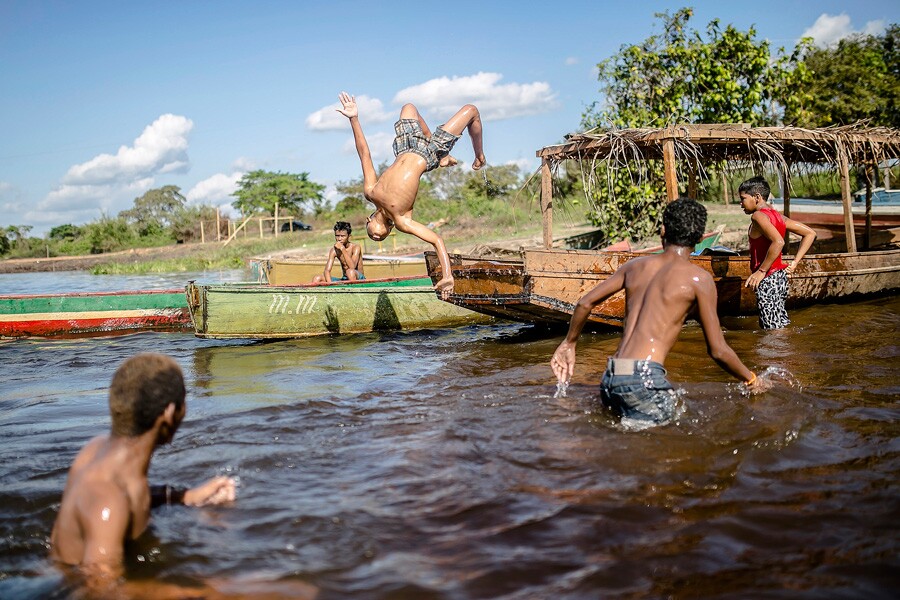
<point x="439" y="464"/>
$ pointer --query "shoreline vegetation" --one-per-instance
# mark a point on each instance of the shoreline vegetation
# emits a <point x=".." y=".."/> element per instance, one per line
<point x="315" y="244"/>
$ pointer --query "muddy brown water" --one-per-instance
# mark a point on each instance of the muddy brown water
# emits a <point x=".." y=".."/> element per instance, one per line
<point x="438" y="464"/>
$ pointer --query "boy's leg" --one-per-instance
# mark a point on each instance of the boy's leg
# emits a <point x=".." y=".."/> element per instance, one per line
<point x="469" y="118"/>
<point x="409" y="111"/>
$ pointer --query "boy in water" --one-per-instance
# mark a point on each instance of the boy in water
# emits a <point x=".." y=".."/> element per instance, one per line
<point x="660" y="291"/>
<point x="347" y="253"/>
<point x="769" y="273"/>
<point x="417" y="152"/>
<point x="107" y="499"/>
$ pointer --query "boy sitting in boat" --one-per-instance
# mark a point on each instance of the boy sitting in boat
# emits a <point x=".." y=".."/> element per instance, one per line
<point x="107" y="499"/>
<point x="417" y="151"/>
<point x="769" y="274"/>
<point x="348" y="254"/>
<point x="660" y="291"/>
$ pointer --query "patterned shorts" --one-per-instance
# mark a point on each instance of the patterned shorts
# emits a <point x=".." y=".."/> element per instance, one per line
<point x="771" y="295"/>
<point x="411" y="138"/>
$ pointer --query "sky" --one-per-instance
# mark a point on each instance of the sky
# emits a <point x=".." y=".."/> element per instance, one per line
<point x="102" y="101"/>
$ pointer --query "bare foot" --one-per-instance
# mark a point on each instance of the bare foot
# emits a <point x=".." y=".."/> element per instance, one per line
<point x="448" y="161"/>
<point x="445" y="287"/>
<point x="478" y="162"/>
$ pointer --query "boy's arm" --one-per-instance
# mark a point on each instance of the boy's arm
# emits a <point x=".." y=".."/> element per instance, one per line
<point x="563" y="361"/>
<point x="326" y="274"/>
<point x="775" y="246"/>
<point x="809" y="236"/>
<point x="217" y="490"/>
<point x="407" y="225"/>
<point x="351" y="111"/>
<point x="716" y="346"/>
<point x="105" y="518"/>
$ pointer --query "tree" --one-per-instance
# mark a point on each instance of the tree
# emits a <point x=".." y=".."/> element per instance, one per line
<point x="856" y="79"/>
<point x="65" y="232"/>
<point x="153" y="212"/>
<point x="682" y="76"/>
<point x="260" y="191"/>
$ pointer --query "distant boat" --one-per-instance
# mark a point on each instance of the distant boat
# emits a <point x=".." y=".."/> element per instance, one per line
<point x="93" y="313"/>
<point x="257" y="311"/>
<point x="286" y="271"/>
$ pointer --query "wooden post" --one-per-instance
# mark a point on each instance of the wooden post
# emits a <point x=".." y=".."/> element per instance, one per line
<point x="669" y="166"/>
<point x="260" y="228"/>
<point x="218" y="226"/>
<point x="725" y="190"/>
<point x="786" y="196"/>
<point x="692" y="184"/>
<point x="867" y="235"/>
<point x="547" y="202"/>
<point x="276" y="219"/>
<point x="202" y="234"/>
<point x="845" y="197"/>
<point x="237" y="229"/>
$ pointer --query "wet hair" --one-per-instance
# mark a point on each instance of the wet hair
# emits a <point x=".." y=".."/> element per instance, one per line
<point x="141" y="389"/>
<point x="343" y="226"/>
<point x="756" y="186"/>
<point x="685" y="222"/>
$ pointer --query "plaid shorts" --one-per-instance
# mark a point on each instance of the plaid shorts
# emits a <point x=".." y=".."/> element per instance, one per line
<point x="411" y="138"/>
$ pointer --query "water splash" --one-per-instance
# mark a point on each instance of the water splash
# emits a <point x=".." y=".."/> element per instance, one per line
<point x="561" y="388"/>
<point x="770" y="378"/>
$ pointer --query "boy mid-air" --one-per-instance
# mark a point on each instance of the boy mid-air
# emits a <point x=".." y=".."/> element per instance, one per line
<point x="417" y="151"/>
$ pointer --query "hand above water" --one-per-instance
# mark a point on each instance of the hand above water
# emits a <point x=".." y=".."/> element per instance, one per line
<point x="563" y="362"/>
<point x="217" y="490"/>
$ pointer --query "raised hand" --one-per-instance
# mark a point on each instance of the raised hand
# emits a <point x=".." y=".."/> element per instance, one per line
<point x="348" y="102"/>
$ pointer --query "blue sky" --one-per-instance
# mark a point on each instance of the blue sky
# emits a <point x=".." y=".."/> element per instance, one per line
<point x="101" y="101"/>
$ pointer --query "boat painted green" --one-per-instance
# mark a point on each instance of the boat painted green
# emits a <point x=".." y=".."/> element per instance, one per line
<point x="257" y="311"/>
<point x="93" y="313"/>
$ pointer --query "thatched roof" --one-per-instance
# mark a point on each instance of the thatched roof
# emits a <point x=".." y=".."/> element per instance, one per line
<point x="731" y="142"/>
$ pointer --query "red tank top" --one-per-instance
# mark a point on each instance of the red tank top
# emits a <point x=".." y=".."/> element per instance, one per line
<point x="759" y="247"/>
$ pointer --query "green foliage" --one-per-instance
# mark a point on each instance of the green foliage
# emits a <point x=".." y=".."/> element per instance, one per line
<point x="260" y="191"/>
<point x="682" y="76"/>
<point x="857" y="79"/>
<point x="153" y="212"/>
<point x="109" y="235"/>
<point x="4" y="242"/>
<point x="65" y="232"/>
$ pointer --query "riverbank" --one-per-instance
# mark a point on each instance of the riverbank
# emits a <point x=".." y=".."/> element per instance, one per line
<point x="198" y="257"/>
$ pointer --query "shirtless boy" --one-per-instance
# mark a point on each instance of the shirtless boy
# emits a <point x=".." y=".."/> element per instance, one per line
<point x="348" y="254"/>
<point x="417" y="152"/>
<point x="107" y="499"/>
<point x="769" y="276"/>
<point x="660" y="291"/>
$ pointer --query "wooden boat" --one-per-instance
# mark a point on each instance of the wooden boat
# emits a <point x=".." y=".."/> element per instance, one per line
<point x="96" y="313"/>
<point x="285" y="271"/>
<point x="252" y="310"/>
<point x="543" y="285"/>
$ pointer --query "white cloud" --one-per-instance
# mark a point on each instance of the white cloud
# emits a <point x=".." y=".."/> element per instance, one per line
<point x="327" y="118"/>
<point x="215" y="190"/>
<point x="571" y="60"/>
<point x="830" y="29"/>
<point x="161" y="148"/>
<point x="443" y="96"/>
<point x="109" y="183"/>
<point x="380" y="147"/>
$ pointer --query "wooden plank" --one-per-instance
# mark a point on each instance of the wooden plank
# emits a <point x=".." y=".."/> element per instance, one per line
<point x="669" y="166"/>
<point x="846" y="198"/>
<point x="547" y="202"/>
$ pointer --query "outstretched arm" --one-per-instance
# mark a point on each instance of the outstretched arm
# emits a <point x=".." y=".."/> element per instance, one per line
<point x="351" y="111"/>
<point x="809" y="236"/>
<point x="563" y="361"/>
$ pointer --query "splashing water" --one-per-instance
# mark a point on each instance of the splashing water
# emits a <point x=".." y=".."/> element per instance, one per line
<point x="561" y="388"/>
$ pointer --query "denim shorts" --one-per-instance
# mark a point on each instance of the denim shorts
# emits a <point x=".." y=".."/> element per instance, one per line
<point x="638" y="389"/>
<point x="411" y="138"/>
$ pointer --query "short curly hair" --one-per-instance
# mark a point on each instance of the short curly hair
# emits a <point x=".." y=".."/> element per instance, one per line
<point x="141" y="389"/>
<point x="343" y="226"/>
<point x="685" y="222"/>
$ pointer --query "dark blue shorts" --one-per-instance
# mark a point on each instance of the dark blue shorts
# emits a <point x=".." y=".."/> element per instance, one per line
<point x="638" y="389"/>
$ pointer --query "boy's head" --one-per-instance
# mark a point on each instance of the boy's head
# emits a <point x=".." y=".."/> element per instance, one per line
<point x="342" y="232"/>
<point x="755" y="186"/>
<point x="378" y="225"/>
<point x="141" y="390"/>
<point x="684" y="221"/>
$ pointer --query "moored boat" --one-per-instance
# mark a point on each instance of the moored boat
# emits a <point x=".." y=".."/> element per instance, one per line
<point x="286" y="271"/>
<point x="544" y="284"/>
<point x="256" y="311"/>
<point x="95" y="313"/>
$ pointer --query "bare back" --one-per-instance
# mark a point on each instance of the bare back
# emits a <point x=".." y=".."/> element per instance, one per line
<point x="395" y="191"/>
<point x="660" y="291"/>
